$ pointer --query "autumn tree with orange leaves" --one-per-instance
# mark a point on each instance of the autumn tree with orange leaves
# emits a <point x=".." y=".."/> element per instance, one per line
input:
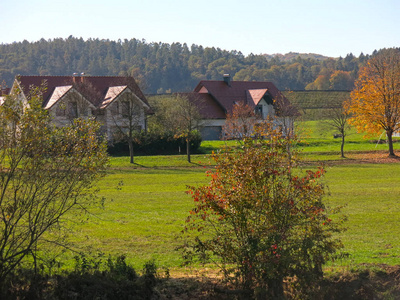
<point x="375" y="101"/>
<point x="261" y="219"/>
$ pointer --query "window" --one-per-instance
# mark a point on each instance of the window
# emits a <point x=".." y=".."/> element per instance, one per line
<point x="126" y="108"/>
<point x="73" y="109"/>
<point x="115" y="108"/>
<point x="130" y="109"/>
<point x="84" y="110"/>
<point x="60" y="110"/>
<point x="259" y="110"/>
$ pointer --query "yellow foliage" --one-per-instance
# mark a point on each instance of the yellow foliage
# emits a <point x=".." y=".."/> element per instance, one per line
<point x="375" y="100"/>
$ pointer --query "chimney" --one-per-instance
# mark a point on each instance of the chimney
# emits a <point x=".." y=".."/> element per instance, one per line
<point x="78" y="78"/>
<point x="227" y="79"/>
<point x="74" y="76"/>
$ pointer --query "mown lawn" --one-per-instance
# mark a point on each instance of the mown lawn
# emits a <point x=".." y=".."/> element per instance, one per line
<point x="371" y="195"/>
<point x="317" y="138"/>
<point x="144" y="216"/>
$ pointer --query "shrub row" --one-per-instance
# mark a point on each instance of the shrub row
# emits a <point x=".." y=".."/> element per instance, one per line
<point x="93" y="278"/>
<point x="153" y="143"/>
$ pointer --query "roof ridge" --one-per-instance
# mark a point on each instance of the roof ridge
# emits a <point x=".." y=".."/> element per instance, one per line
<point x="117" y="76"/>
<point x="246" y="81"/>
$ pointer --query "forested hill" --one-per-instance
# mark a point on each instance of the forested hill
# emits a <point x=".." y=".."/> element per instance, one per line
<point x="161" y="67"/>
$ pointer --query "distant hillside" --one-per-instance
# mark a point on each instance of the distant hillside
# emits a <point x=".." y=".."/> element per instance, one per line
<point x="162" y="68"/>
<point x="293" y="55"/>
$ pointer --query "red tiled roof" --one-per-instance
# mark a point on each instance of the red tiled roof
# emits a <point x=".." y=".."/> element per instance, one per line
<point x="94" y="88"/>
<point x="5" y="91"/>
<point x="112" y="93"/>
<point x="254" y="96"/>
<point x="208" y="107"/>
<point x="247" y="92"/>
<point x="59" y="92"/>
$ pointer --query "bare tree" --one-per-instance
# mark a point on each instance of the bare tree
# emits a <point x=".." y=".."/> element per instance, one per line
<point x="240" y="122"/>
<point x="285" y="115"/>
<point x="336" y="118"/>
<point x="187" y="118"/>
<point x="128" y="116"/>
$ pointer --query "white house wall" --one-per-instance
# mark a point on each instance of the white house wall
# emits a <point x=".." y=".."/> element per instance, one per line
<point x="211" y="129"/>
<point x="84" y="109"/>
<point x="267" y="109"/>
<point x="112" y="123"/>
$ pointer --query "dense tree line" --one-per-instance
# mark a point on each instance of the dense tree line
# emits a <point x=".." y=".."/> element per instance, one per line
<point x="162" y="67"/>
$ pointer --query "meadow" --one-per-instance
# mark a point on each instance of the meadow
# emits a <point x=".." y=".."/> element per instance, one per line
<point x="146" y="204"/>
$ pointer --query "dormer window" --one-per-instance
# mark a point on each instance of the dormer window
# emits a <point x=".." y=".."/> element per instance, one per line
<point x="60" y="110"/>
<point x="73" y="109"/>
<point x="126" y="109"/>
<point x="115" y="108"/>
<point x="84" y="111"/>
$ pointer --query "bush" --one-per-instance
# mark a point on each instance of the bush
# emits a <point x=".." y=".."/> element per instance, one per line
<point x="47" y="174"/>
<point x="94" y="277"/>
<point x="262" y="219"/>
<point x="153" y="143"/>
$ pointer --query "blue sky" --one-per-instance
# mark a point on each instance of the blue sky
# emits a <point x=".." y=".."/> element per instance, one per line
<point x="332" y="28"/>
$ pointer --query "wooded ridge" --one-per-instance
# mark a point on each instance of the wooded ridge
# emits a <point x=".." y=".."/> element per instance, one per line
<point x="163" y="68"/>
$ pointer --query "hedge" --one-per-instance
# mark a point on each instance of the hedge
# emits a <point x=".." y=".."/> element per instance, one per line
<point x="153" y="143"/>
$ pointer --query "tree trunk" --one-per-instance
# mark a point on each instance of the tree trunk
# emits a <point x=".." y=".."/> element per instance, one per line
<point x="130" y="143"/>
<point x="342" y="147"/>
<point x="275" y="289"/>
<point x="188" y="148"/>
<point x="389" y="134"/>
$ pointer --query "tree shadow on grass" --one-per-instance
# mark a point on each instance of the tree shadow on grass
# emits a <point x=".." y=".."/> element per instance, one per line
<point x="139" y="165"/>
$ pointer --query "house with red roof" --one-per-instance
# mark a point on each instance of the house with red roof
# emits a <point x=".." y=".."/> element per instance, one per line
<point x="112" y="100"/>
<point x="217" y="99"/>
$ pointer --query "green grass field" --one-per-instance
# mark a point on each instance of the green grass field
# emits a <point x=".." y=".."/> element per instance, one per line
<point x="371" y="193"/>
<point x="144" y="216"/>
<point x="317" y="139"/>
